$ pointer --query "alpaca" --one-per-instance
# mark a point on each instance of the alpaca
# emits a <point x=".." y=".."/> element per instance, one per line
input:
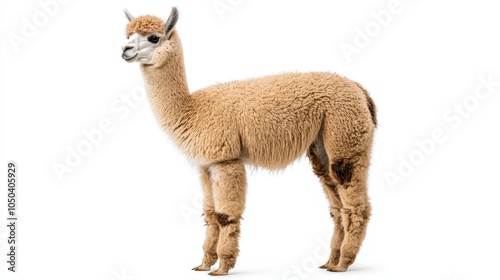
<point x="267" y="122"/>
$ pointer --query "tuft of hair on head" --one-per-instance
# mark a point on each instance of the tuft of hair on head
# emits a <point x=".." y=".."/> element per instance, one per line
<point x="148" y="24"/>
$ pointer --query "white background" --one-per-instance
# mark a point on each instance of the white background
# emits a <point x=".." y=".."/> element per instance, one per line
<point x="131" y="208"/>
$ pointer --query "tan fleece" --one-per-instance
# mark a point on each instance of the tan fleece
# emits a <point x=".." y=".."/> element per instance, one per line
<point x="267" y="122"/>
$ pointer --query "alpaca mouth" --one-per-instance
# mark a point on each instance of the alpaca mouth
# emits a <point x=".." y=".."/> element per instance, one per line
<point x="129" y="59"/>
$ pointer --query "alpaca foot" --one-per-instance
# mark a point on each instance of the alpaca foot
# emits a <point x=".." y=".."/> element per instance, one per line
<point x="337" y="268"/>
<point x="330" y="263"/>
<point x="225" y="264"/>
<point x="333" y="268"/>
<point x="326" y="266"/>
<point x="201" y="268"/>
<point x="219" y="272"/>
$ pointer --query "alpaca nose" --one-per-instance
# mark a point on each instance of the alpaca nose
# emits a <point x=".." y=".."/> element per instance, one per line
<point x="127" y="47"/>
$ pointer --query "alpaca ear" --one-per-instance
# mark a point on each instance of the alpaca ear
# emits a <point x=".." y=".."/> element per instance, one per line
<point x="129" y="16"/>
<point x="171" y="21"/>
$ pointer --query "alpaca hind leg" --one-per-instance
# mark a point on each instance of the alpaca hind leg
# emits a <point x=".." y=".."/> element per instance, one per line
<point x="319" y="161"/>
<point x="229" y="192"/>
<point x="212" y="232"/>
<point x="348" y="138"/>
<point x="338" y="232"/>
<point x="350" y="175"/>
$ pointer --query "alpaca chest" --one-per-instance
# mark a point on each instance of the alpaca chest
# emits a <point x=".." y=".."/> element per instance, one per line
<point x="210" y="144"/>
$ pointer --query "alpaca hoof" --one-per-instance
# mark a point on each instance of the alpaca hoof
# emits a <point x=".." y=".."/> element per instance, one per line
<point x="330" y="264"/>
<point x="201" y="268"/>
<point x="325" y="266"/>
<point x="218" y="272"/>
<point x="337" y="269"/>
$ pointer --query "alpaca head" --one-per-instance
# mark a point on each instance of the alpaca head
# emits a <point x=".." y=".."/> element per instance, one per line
<point x="149" y="38"/>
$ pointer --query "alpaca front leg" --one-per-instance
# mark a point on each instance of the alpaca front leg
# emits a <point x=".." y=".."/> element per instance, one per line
<point x="227" y="248"/>
<point x="212" y="233"/>
<point x="210" y="244"/>
<point x="229" y="192"/>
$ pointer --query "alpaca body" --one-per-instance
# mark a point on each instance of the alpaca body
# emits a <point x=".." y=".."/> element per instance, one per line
<point x="267" y="122"/>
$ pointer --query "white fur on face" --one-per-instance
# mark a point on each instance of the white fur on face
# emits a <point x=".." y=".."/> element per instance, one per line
<point x="139" y="49"/>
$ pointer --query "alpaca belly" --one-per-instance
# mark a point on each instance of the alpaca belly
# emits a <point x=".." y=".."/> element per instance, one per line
<point x="277" y="150"/>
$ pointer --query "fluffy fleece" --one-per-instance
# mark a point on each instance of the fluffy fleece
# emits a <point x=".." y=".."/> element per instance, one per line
<point x="267" y="122"/>
<point x="145" y="25"/>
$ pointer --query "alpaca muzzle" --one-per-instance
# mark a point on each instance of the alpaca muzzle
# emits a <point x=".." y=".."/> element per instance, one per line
<point x="128" y="57"/>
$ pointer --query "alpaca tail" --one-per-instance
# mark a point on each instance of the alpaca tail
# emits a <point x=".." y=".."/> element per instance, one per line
<point x="370" y="104"/>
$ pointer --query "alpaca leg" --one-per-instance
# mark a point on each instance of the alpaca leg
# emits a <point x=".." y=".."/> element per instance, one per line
<point x="229" y="192"/>
<point x="348" y="136"/>
<point x="319" y="161"/>
<point x="212" y="233"/>
<point x="338" y="232"/>
<point x="351" y="175"/>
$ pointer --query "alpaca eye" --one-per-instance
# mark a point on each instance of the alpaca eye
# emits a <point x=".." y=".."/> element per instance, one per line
<point x="153" y="39"/>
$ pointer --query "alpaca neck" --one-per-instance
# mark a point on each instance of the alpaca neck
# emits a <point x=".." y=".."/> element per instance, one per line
<point x="168" y="92"/>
